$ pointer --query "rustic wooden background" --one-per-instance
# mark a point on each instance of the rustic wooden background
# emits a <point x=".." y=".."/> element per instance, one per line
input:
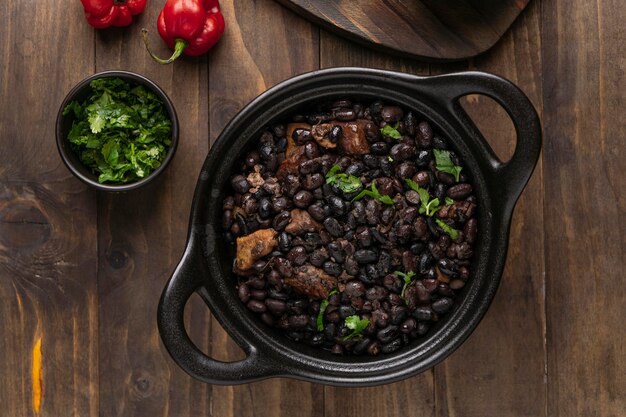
<point x="81" y="272"/>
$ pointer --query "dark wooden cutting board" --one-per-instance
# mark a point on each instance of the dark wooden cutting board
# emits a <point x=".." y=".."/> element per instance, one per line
<point x="439" y="30"/>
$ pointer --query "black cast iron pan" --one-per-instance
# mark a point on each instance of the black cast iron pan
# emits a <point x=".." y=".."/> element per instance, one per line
<point x="207" y="262"/>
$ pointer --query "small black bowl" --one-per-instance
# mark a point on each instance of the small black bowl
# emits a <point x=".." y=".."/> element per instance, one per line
<point x="80" y="92"/>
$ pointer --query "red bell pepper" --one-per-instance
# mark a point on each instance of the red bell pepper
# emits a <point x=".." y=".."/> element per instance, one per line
<point x="191" y="27"/>
<point x="104" y="13"/>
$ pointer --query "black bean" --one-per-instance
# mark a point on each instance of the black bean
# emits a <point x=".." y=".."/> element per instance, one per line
<point x="317" y="212"/>
<point x="408" y="325"/>
<point x="364" y="256"/>
<point x="256" y="306"/>
<point x="265" y="208"/>
<point x="312" y="241"/>
<point x="332" y="268"/>
<point x="430" y="283"/>
<point x="470" y="230"/>
<point x="258" y="294"/>
<point x="422" y="328"/>
<point x="386" y="167"/>
<point x="351" y="266"/>
<point x="244" y="292"/>
<point x="361" y="345"/>
<point x="374" y="348"/>
<point x="298" y="322"/>
<point x="398" y="313"/>
<point x="423" y="313"/>
<point x="423" y="158"/>
<point x="459" y="191"/>
<point x="448" y="267"/>
<point x="303" y="199"/>
<point x="457" y="284"/>
<point x="439" y="142"/>
<point x="284" y="267"/>
<point x="376" y="293"/>
<point x="344" y="115"/>
<point x="291" y="185"/>
<point x="387" y="215"/>
<point x="310" y="166"/>
<point x="370" y="160"/>
<point x="424" y="135"/>
<point x="440" y="191"/>
<point x="412" y="197"/>
<point x="297" y="255"/>
<point x="300" y="136"/>
<point x="387" y="334"/>
<point x="356" y="169"/>
<point x="311" y="150"/>
<point x="433" y="228"/>
<point x="240" y="184"/>
<point x="442" y="305"/>
<point x="379" y="148"/>
<point x="354" y="288"/>
<point x="333" y="227"/>
<point x="346" y="311"/>
<point x="337" y="349"/>
<point x="280" y="203"/>
<point x="337" y="205"/>
<point x="313" y="181"/>
<point x="393" y="283"/>
<point x="405" y="170"/>
<point x="391" y="114"/>
<point x="281" y="220"/>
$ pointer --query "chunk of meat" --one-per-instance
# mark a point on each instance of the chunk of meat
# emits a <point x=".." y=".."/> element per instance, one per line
<point x="301" y="221"/>
<point x="294" y="154"/>
<point x="252" y="247"/>
<point x="312" y="282"/>
<point x="353" y="140"/>
<point x="320" y="134"/>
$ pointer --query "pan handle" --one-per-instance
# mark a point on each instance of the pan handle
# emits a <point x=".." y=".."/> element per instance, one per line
<point x="186" y="279"/>
<point x="509" y="178"/>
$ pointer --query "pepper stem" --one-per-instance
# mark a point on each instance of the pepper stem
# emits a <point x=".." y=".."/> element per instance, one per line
<point x="179" y="47"/>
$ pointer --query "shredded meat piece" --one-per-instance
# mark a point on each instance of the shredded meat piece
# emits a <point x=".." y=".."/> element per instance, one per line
<point x="301" y="221"/>
<point x="253" y="247"/>
<point x="311" y="282"/>
<point x="352" y="141"/>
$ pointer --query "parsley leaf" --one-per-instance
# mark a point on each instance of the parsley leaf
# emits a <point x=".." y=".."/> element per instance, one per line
<point x="450" y="231"/>
<point x="122" y="131"/>
<point x="374" y="193"/>
<point x="356" y="324"/>
<point x="444" y="163"/>
<point x="391" y="131"/>
<point x="346" y="183"/>
<point x="320" y="315"/>
<point x="427" y="206"/>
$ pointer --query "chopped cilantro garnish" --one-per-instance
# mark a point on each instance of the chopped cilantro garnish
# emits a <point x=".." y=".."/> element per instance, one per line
<point x="375" y="194"/>
<point x="427" y="206"/>
<point x="407" y="279"/>
<point x="356" y="324"/>
<point x="450" y="231"/>
<point x="346" y="183"/>
<point x="320" y="315"/>
<point x="444" y="163"/>
<point x="391" y="131"/>
<point x="121" y="132"/>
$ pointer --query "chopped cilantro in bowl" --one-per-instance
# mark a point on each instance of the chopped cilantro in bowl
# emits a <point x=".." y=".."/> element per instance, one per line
<point x="121" y="128"/>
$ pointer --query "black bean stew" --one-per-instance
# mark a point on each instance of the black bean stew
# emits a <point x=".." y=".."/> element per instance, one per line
<point x="353" y="227"/>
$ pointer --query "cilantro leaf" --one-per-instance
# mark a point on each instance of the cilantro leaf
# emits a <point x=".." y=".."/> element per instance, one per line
<point x="346" y="183"/>
<point x="427" y="206"/>
<point x="391" y="131"/>
<point x="374" y="193"/>
<point x="320" y="315"/>
<point x="449" y="201"/>
<point x="450" y="231"/>
<point x="356" y="324"/>
<point x="445" y="164"/>
<point x="407" y="277"/>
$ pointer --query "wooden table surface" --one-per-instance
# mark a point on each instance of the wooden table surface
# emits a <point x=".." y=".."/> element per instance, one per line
<point x="81" y="272"/>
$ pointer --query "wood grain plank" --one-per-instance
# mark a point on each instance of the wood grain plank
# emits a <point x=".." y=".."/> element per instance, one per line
<point x="499" y="370"/>
<point x="414" y="395"/>
<point x="48" y="297"/>
<point x="264" y="44"/>
<point x="583" y="44"/>
<point x="141" y="238"/>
